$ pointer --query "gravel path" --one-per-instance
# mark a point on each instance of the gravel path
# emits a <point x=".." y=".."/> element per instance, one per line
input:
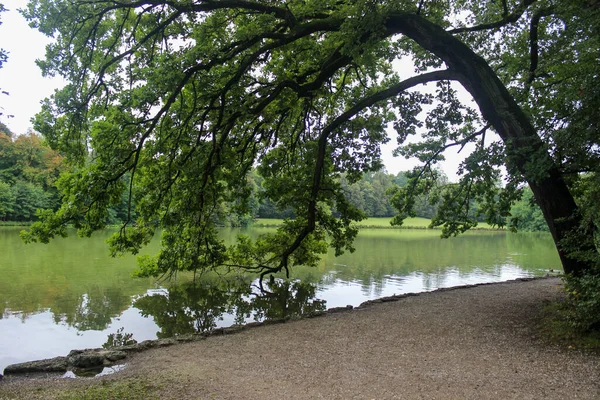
<point x="476" y="343"/>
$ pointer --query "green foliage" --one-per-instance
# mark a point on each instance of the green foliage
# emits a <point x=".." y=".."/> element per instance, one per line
<point x="7" y="200"/>
<point x="583" y="243"/>
<point x="27" y="199"/>
<point x="4" y="130"/>
<point x="28" y="172"/>
<point x="525" y="214"/>
<point x="583" y="305"/>
<point x="418" y="197"/>
<point x="369" y="194"/>
<point x="557" y="326"/>
<point x="410" y="223"/>
<point x="372" y="194"/>
<point x="586" y="188"/>
<point x="118" y="339"/>
<point x="583" y="291"/>
<point x="173" y="104"/>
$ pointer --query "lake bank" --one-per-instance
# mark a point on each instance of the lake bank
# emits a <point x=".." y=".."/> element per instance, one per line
<point x="71" y="294"/>
<point x="481" y="342"/>
<point x="379" y="223"/>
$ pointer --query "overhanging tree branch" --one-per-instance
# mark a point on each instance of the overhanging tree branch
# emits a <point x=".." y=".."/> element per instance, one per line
<point x="508" y="19"/>
<point x="522" y="142"/>
<point x="361" y="105"/>
<point x="272" y="83"/>
<point x="534" y="46"/>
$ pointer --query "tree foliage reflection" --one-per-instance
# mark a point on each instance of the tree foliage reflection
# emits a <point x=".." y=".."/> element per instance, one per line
<point x="198" y="307"/>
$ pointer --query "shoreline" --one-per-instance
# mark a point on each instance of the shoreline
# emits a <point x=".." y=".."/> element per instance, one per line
<point x="360" y="227"/>
<point x="61" y="364"/>
<point x="473" y="341"/>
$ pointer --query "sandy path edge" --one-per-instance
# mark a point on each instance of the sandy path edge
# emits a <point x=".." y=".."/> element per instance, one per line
<point x="480" y="342"/>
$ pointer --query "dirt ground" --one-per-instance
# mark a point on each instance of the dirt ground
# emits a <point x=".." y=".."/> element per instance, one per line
<point x="475" y="343"/>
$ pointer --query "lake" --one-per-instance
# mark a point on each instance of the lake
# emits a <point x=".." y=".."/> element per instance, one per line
<point x="70" y="294"/>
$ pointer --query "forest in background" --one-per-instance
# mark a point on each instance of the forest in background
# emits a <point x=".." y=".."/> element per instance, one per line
<point x="28" y="173"/>
<point x="29" y="170"/>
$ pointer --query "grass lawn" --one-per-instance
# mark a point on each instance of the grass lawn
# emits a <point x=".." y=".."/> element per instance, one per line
<point x="385" y="223"/>
<point x="414" y="223"/>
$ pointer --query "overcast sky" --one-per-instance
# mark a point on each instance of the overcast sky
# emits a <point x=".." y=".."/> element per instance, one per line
<point x="21" y="77"/>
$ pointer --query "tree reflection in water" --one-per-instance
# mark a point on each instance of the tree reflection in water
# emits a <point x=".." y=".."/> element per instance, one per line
<point x="196" y="307"/>
<point x="93" y="310"/>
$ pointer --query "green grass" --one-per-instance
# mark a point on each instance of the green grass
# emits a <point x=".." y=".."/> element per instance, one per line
<point x="131" y="389"/>
<point x="267" y="222"/>
<point x="93" y="389"/>
<point x="15" y="223"/>
<point x="419" y="223"/>
<point x="376" y="223"/>
<point x="556" y="328"/>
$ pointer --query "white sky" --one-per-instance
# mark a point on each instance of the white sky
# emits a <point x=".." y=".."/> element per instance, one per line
<point x="22" y="78"/>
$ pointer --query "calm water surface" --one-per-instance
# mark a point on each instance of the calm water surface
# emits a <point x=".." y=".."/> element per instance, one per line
<point x="70" y="294"/>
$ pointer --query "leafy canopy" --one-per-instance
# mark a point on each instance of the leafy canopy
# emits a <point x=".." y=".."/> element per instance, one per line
<point x="28" y="171"/>
<point x="175" y="101"/>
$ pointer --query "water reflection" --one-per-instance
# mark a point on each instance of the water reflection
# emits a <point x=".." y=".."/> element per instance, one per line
<point x="93" y="310"/>
<point x="71" y="294"/>
<point x="199" y="306"/>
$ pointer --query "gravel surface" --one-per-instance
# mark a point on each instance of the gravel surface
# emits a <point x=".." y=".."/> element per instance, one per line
<point x="476" y="343"/>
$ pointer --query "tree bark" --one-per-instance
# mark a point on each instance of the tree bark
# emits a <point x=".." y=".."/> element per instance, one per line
<point x="526" y="152"/>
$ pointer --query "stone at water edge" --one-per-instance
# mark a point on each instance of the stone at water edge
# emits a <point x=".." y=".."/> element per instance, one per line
<point x="56" y="364"/>
<point x="76" y="359"/>
<point x="94" y="358"/>
<point x="89" y="358"/>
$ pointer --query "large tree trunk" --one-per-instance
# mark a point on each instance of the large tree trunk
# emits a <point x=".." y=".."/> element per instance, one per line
<point x="526" y="151"/>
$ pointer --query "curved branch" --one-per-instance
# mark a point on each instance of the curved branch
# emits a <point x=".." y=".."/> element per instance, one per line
<point x="447" y="74"/>
<point x="462" y="144"/>
<point x="203" y="6"/>
<point x="362" y="104"/>
<point x="534" y="46"/>
<point x="508" y="19"/>
<point x="499" y="107"/>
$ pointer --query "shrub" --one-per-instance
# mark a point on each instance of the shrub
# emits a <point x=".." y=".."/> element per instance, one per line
<point x="118" y="339"/>
<point x="583" y="301"/>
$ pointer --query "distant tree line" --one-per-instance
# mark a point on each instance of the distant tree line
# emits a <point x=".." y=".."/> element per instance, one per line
<point x="29" y="170"/>
<point x="371" y="194"/>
